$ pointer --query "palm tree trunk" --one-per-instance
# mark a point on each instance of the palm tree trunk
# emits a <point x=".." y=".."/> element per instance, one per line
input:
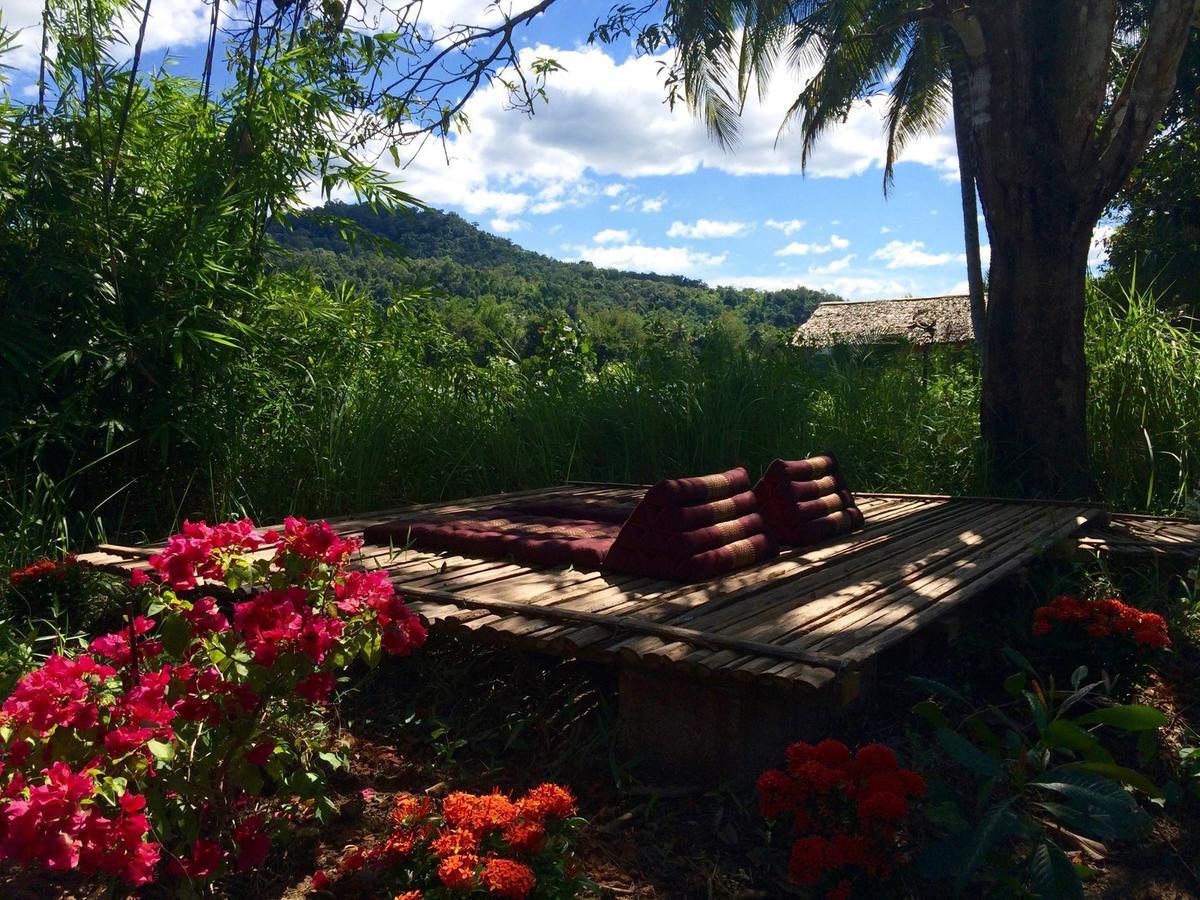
<point x="970" y="213"/>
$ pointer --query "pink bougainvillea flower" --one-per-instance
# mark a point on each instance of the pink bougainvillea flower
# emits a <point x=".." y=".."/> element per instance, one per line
<point x="252" y="842"/>
<point x="316" y="542"/>
<point x="260" y="753"/>
<point x="316" y="687"/>
<point x="204" y="860"/>
<point x="205" y="618"/>
<point x="57" y="694"/>
<point x="196" y="552"/>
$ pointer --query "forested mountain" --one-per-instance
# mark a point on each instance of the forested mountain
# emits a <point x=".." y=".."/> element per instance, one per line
<point x="493" y="292"/>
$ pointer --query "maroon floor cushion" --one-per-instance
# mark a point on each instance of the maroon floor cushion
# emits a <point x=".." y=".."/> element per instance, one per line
<point x="501" y="532"/>
<point x="805" y="501"/>
<point x="689" y="529"/>
<point x="683" y="529"/>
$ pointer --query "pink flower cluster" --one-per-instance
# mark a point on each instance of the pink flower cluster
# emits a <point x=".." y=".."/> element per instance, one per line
<point x="49" y="823"/>
<point x="201" y="551"/>
<point x="163" y="707"/>
<point x="314" y="541"/>
<point x="276" y="622"/>
<point x="402" y="630"/>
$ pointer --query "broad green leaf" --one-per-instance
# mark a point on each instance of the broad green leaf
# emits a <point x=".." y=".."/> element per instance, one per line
<point x="161" y="750"/>
<point x="1015" y="683"/>
<point x="1121" y="775"/>
<point x="1051" y="875"/>
<point x="967" y="755"/>
<point x="931" y="713"/>
<point x="1064" y="734"/>
<point x="995" y="827"/>
<point x="176" y="634"/>
<point x="936" y="687"/>
<point x="1019" y="660"/>
<point x="1129" y="718"/>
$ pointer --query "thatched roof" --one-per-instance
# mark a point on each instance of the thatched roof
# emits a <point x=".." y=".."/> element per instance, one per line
<point x="923" y="320"/>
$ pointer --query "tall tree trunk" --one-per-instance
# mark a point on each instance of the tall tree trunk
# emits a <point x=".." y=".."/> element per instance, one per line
<point x="1034" y="405"/>
<point x="1052" y="145"/>
<point x="970" y="210"/>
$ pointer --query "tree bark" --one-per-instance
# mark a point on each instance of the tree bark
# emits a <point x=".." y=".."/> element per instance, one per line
<point x="966" y="181"/>
<point x="1046" y="167"/>
<point x="1034" y="402"/>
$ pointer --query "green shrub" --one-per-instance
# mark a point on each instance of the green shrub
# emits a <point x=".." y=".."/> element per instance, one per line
<point x="1041" y="775"/>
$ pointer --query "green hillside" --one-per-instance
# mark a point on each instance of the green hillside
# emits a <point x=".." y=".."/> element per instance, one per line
<point x="496" y="294"/>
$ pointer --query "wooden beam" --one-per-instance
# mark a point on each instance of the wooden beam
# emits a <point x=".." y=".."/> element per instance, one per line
<point x="622" y="623"/>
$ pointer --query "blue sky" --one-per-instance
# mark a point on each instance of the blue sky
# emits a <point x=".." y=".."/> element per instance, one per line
<point x="605" y="172"/>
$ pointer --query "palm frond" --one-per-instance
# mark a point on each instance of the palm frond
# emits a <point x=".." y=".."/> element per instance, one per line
<point x="921" y="94"/>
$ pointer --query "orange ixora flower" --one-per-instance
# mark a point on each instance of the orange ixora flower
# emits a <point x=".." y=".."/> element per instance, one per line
<point x="548" y="801"/>
<point x="458" y="872"/>
<point x="409" y="809"/>
<point x="507" y="878"/>
<point x="455" y="842"/>
<point x="526" y="838"/>
<point x="410" y="895"/>
<point x="479" y="813"/>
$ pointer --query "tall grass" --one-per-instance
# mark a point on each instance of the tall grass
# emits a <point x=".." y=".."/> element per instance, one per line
<point x="358" y="409"/>
<point x="1144" y="400"/>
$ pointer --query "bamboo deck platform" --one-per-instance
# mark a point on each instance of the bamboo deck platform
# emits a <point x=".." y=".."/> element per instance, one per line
<point x="802" y="621"/>
<point x="1136" y="535"/>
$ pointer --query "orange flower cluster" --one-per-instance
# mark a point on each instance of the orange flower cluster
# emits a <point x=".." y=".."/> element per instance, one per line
<point x="847" y="812"/>
<point x="1099" y="619"/>
<point x="471" y="841"/>
<point x="43" y="567"/>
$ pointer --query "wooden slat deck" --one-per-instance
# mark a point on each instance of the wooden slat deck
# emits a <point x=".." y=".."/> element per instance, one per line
<point x="1134" y="535"/>
<point x="801" y="620"/>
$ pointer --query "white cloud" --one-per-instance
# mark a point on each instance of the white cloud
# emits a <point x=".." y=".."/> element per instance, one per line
<point x="853" y="287"/>
<point x="886" y="230"/>
<point x="504" y="226"/>
<point x="912" y="255"/>
<point x="832" y="268"/>
<point x="612" y="190"/>
<point x="1098" y="252"/>
<point x="611" y="236"/>
<point x="660" y="260"/>
<point x="796" y="248"/>
<point x="607" y="119"/>
<point x="707" y="228"/>
<point x="172" y="23"/>
<point x="787" y="226"/>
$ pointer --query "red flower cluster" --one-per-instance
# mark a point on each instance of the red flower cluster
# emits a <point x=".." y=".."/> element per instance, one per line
<point x="471" y="841"/>
<point x="43" y="567"/>
<point x="1099" y="619"/>
<point x="169" y="705"/>
<point x="847" y="811"/>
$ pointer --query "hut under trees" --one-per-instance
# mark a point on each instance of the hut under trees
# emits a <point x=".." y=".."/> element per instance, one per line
<point x="921" y="322"/>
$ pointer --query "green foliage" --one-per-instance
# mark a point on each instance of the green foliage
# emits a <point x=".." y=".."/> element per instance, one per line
<point x="1144" y="412"/>
<point x="1159" y="205"/>
<point x="491" y="292"/>
<point x="25" y="644"/>
<point x="74" y="597"/>
<point x="132" y="217"/>
<point x="1042" y="776"/>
